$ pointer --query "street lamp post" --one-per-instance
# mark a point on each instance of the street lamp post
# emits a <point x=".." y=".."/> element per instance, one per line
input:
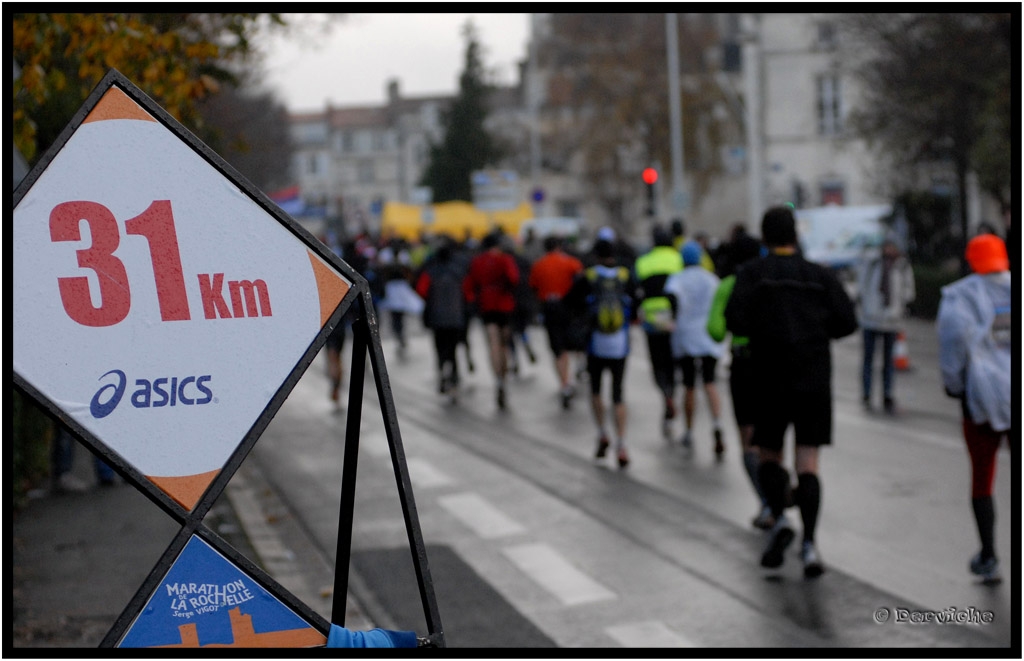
<point x="752" y="88"/>
<point x="675" y="113"/>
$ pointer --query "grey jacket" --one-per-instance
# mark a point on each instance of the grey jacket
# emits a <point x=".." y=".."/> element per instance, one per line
<point x="974" y="324"/>
<point x="874" y="313"/>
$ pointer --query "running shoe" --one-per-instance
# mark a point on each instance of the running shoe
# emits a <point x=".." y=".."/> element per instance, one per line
<point x="501" y="398"/>
<point x="812" y="563"/>
<point x="719" y="445"/>
<point x="765" y="520"/>
<point x="568" y="392"/>
<point x="602" y="447"/>
<point x="623" y="458"/>
<point x="687" y="440"/>
<point x="666" y="429"/>
<point x="889" y="405"/>
<point x="781" y="537"/>
<point x="988" y="569"/>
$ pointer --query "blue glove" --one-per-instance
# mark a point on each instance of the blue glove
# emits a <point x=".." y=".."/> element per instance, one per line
<point x="342" y="637"/>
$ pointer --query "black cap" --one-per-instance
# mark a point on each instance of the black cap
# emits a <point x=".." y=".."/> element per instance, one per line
<point x="661" y="237"/>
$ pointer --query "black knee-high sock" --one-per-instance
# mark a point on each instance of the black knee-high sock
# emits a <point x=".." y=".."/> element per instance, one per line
<point x="808" y="499"/>
<point x="751" y="462"/>
<point x="985" y="517"/>
<point x="774" y="481"/>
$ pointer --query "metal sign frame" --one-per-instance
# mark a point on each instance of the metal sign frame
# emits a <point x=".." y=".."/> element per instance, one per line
<point x="356" y="305"/>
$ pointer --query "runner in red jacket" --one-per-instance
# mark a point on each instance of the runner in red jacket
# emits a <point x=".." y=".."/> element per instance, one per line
<point x="490" y="286"/>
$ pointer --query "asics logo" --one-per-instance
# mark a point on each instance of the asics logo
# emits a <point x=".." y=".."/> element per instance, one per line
<point x="150" y="393"/>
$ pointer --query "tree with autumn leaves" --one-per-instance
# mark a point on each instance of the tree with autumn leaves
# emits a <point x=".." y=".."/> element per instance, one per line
<point x="195" y="66"/>
<point x="178" y="59"/>
<point x="607" y="103"/>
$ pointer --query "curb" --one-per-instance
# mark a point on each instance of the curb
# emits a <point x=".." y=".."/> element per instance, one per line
<point x="284" y="549"/>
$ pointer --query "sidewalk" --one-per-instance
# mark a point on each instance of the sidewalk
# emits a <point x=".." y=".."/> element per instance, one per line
<point x="78" y="558"/>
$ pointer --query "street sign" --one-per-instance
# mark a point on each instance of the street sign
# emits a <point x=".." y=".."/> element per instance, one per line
<point x="158" y="303"/>
<point x="205" y="600"/>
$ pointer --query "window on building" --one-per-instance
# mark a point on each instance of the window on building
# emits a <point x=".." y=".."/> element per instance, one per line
<point x="312" y="164"/>
<point x="346" y="141"/>
<point x="310" y="133"/>
<point x="832" y="192"/>
<point x="569" y="208"/>
<point x="365" y="173"/>
<point x="830" y="108"/>
<point x="826" y="35"/>
<point x="379" y="141"/>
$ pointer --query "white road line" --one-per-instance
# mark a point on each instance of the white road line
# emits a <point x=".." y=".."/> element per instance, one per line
<point x="549" y="569"/>
<point x="375" y="445"/>
<point x="647" y="634"/>
<point x="423" y="474"/>
<point x="484" y="519"/>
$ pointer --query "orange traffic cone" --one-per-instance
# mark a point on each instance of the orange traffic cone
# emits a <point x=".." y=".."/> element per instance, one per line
<point x="900" y="355"/>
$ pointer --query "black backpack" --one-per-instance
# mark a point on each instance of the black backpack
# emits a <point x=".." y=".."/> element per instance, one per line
<point x="445" y="306"/>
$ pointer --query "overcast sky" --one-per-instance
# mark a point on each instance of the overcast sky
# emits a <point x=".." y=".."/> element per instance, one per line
<point x="351" y="66"/>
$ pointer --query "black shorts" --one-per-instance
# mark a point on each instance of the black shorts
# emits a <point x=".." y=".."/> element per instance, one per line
<point x="596" y="366"/>
<point x="810" y="413"/>
<point x="741" y="387"/>
<point x="556" y="323"/>
<point x="336" y="340"/>
<point x="501" y="319"/>
<point x="689" y="367"/>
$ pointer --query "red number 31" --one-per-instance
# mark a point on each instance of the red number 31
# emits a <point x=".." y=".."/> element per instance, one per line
<point x="156" y="224"/>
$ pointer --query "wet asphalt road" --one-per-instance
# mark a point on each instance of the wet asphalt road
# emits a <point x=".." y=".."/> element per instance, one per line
<point x="531" y="543"/>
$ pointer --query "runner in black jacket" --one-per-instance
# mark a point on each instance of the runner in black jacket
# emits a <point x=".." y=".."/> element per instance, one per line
<point x="790" y="309"/>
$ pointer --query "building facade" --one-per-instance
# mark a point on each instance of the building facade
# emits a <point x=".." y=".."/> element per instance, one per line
<point x="777" y="131"/>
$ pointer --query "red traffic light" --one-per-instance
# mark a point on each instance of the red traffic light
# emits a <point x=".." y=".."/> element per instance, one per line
<point x="650" y="175"/>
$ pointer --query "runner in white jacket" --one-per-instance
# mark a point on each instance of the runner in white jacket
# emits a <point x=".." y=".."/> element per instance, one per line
<point x="974" y="327"/>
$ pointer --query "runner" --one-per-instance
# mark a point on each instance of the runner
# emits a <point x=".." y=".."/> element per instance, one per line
<point x="551" y="278"/>
<point x="691" y="292"/>
<point x="604" y="292"/>
<point x="790" y="309"/>
<point x="490" y="286"/>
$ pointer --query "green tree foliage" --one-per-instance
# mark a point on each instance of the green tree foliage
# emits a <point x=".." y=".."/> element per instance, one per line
<point x="938" y="88"/>
<point x="467" y="146"/>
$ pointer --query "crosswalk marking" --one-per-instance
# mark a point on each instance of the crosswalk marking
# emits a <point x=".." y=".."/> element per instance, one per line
<point x="553" y="572"/>
<point x="647" y="634"/>
<point x="484" y="519"/>
<point x="423" y="474"/>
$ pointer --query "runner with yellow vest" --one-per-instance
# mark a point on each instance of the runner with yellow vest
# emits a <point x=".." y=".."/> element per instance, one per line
<point x="657" y="317"/>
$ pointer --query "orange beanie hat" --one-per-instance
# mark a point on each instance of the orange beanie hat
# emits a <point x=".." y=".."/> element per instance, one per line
<point x="986" y="253"/>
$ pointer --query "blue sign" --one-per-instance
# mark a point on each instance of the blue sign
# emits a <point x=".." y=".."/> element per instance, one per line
<point x="205" y="600"/>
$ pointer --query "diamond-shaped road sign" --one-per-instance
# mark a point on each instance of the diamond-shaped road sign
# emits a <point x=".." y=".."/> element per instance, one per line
<point x="157" y="303"/>
<point x="163" y="310"/>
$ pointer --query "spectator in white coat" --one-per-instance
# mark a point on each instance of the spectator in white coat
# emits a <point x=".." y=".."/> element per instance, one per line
<point x="886" y="287"/>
